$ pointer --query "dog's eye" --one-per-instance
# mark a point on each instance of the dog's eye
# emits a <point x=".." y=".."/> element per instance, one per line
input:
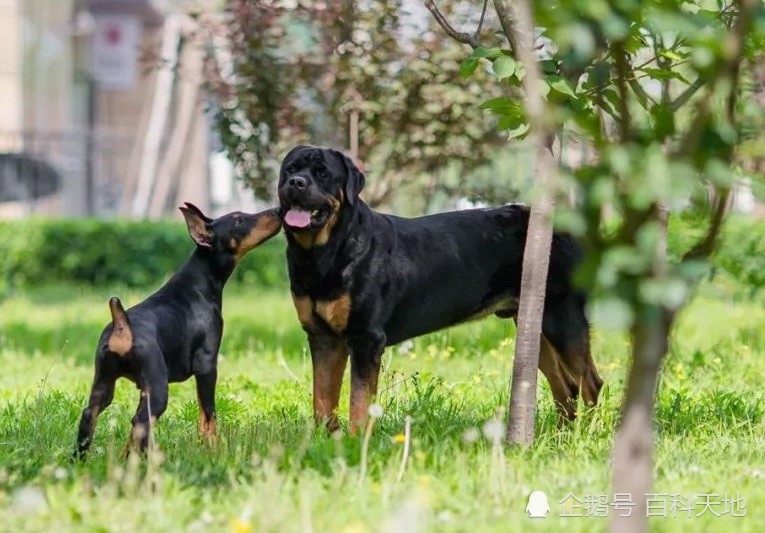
<point x="323" y="174"/>
<point x="290" y="169"/>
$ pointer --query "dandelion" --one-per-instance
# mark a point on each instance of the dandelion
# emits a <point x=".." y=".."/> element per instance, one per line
<point x="375" y="410"/>
<point x="494" y="430"/>
<point x="398" y="439"/>
<point x="29" y="500"/>
<point x="471" y="435"/>
<point x="405" y="347"/>
<point x="241" y="526"/>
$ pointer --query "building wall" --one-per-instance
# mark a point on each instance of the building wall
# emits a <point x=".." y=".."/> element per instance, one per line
<point x="10" y="63"/>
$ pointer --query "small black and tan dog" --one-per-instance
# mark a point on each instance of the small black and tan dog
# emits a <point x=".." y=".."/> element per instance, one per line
<point x="362" y="281"/>
<point x="176" y="332"/>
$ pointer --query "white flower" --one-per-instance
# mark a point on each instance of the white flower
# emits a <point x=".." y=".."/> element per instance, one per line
<point x="471" y="435"/>
<point x="405" y="347"/>
<point x="375" y="410"/>
<point x="29" y="500"/>
<point x="494" y="430"/>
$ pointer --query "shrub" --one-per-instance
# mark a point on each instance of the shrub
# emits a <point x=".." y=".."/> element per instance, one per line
<point x="140" y="254"/>
<point x="97" y="252"/>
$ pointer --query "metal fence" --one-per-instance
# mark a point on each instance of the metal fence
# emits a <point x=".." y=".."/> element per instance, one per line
<point x="63" y="173"/>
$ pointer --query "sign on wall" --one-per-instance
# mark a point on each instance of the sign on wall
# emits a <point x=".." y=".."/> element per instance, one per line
<point x="114" y="51"/>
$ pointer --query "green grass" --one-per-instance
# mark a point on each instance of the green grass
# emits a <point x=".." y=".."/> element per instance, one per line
<point x="272" y="472"/>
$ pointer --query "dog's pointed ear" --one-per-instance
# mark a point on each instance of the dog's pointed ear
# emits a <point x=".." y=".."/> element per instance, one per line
<point x="355" y="180"/>
<point x="198" y="225"/>
<point x="195" y="209"/>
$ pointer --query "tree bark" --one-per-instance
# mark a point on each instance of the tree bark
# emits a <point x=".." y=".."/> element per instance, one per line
<point x="633" y="445"/>
<point x="536" y="260"/>
<point x="519" y="30"/>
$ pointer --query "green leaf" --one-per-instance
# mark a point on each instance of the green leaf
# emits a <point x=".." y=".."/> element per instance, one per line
<point x="673" y="55"/>
<point x="487" y="53"/>
<point x="502" y="105"/>
<point x="468" y="66"/>
<point x="664" y="74"/>
<point x="504" y="67"/>
<point x="611" y="313"/>
<point x="560" y="84"/>
<point x="519" y="132"/>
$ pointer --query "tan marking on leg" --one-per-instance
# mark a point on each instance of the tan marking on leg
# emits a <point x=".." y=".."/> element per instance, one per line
<point x="329" y="356"/>
<point x="363" y="393"/>
<point x="304" y="307"/>
<point x="207" y="427"/>
<point x="335" y="312"/>
<point x="551" y="367"/>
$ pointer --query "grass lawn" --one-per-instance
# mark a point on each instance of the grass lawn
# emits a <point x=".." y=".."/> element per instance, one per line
<point x="272" y="472"/>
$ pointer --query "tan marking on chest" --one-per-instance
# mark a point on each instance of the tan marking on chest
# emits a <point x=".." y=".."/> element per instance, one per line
<point x="335" y="312"/>
<point x="304" y="308"/>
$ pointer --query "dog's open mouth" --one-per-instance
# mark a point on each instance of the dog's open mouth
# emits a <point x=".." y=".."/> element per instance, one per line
<point x="299" y="218"/>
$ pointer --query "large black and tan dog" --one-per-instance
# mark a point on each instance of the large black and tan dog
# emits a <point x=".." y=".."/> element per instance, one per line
<point x="362" y="281"/>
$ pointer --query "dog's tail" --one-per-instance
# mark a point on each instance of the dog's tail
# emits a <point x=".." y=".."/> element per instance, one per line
<point x="121" y="339"/>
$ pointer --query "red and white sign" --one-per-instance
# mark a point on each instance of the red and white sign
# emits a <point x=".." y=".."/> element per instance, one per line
<point x="114" y="51"/>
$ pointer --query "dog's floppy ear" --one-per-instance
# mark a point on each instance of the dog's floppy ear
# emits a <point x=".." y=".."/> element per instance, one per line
<point x="355" y="179"/>
<point x="198" y="225"/>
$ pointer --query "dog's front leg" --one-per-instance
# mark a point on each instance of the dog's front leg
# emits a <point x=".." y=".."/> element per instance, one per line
<point x="329" y="355"/>
<point x="366" y="356"/>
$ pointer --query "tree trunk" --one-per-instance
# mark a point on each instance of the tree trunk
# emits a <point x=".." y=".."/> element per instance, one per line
<point x="633" y="445"/>
<point x="536" y="261"/>
<point x="519" y="30"/>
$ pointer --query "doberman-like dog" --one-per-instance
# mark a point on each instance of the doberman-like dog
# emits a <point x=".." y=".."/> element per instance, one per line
<point x="176" y="332"/>
<point x="362" y="281"/>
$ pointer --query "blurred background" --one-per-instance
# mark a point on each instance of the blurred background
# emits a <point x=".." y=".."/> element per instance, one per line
<point x="123" y="108"/>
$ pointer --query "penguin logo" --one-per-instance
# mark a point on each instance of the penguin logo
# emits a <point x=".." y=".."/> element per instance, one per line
<point x="538" y="506"/>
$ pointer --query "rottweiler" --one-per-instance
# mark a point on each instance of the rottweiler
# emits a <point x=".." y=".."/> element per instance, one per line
<point x="363" y="280"/>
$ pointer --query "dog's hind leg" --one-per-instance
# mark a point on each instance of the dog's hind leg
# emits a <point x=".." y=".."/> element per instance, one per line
<point x="153" y="386"/>
<point x="101" y="396"/>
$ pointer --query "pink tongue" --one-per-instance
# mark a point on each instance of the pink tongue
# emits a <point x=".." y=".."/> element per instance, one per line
<point x="297" y="218"/>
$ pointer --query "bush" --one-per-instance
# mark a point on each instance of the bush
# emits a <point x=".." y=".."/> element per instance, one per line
<point x="97" y="252"/>
<point x="142" y="254"/>
<point x="740" y="252"/>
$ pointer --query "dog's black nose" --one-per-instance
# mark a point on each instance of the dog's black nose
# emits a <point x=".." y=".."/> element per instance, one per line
<point x="297" y="182"/>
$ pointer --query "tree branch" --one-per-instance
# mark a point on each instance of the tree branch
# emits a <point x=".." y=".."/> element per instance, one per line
<point x="681" y="100"/>
<point x="622" y="72"/>
<point x="506" y="21"/>
<point x="704" y="248"/>
<point x="480" y="22"/>
<point x="462" y="37"/>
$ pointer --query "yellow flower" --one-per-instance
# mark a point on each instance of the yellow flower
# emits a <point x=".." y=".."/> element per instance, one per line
<point x="399" y="438"/>
<point x="241" y="526"/>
